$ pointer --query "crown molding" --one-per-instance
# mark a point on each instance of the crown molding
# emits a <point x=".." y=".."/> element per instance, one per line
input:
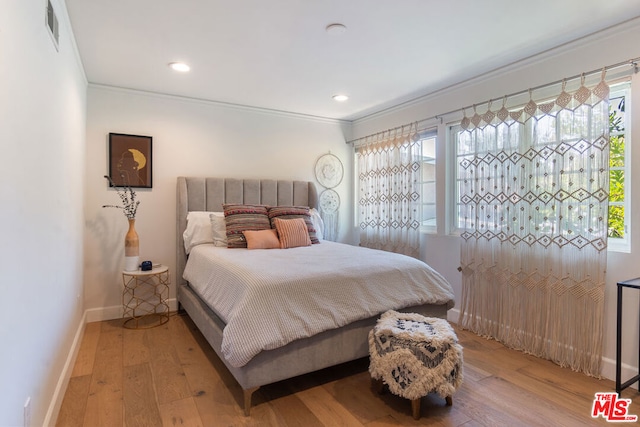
<point x="219" y="104"/>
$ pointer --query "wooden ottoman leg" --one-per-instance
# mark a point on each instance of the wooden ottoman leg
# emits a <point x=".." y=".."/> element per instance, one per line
<point x="449" y="400"/>
<point x="378" y="385"/>
<point x="415" y="408"/>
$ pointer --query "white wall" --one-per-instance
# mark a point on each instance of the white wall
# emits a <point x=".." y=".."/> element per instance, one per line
<point x="442" y="251"/>
<point x="190" y="138"/>
<point x="42" y="126"/>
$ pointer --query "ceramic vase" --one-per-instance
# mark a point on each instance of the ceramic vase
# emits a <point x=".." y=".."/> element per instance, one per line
<point x="131" y="248"/>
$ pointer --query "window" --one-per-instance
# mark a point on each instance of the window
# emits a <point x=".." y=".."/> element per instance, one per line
<point x="388" y="170"/>
<point x="619" y="172"/>
<point x="428" y="182"/>
<point x="619" y="144"/>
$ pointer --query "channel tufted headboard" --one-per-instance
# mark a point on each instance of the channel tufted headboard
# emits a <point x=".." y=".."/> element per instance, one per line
<point x="208" y="194"/>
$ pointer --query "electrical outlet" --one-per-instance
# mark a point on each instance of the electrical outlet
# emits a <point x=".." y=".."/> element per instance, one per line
<point x="27" y="412"/>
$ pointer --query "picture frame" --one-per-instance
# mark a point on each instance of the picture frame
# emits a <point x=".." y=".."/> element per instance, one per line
<point x="130" y="160"/>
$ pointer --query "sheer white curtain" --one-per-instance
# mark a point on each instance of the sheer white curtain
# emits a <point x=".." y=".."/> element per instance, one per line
<point x="534" y="186"/>
<point x="388" y="168"/>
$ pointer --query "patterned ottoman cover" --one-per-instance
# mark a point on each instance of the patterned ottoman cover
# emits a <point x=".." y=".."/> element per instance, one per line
<point x="415" y="355"/>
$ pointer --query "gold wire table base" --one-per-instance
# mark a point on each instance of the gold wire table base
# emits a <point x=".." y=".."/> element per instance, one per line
<point x="144" y="298"/>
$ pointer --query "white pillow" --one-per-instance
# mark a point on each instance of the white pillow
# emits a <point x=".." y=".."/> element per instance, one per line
<point x="198" y="231"/>
<point x="317" y="222"/>
<point x="218" y="229"/>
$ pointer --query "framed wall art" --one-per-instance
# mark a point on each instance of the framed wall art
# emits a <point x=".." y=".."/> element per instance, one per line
<point x="130" y="160"/>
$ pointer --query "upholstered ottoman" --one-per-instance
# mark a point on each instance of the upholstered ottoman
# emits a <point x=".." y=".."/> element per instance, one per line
<point x="415" y="355"/>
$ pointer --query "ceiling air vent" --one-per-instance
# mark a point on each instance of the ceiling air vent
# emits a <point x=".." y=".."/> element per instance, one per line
<point x="52" y="24"/>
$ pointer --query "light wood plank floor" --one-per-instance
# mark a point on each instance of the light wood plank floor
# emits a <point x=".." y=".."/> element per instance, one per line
<point x="169" y="376"/>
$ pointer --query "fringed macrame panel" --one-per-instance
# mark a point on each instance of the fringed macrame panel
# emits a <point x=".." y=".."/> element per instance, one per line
<point x="388" y="168"/>
<point x="534" y="187"/>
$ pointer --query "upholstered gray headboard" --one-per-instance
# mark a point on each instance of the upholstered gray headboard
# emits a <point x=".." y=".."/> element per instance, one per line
<point x="208" y="194"/>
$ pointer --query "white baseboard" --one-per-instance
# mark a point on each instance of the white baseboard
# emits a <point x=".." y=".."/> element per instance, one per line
<point x="453" y="315"/>
<point x="627" y="372"/>
<point x="63" y="381"/>
<point x="115" y="311"/>
<point x="104" y="313"/>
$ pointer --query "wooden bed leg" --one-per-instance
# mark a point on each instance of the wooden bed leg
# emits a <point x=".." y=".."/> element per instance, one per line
<point x="449" y="400"/>
<point x="247" y="399"/>
<point x="415" y="408"/>
<point x="181" y="310"/>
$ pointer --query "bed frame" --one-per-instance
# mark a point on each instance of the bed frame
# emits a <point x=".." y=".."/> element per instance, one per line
<point x="306" y="355"/>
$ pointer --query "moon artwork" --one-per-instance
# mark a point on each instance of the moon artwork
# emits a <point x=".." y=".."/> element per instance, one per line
<point x="130" y="160"/>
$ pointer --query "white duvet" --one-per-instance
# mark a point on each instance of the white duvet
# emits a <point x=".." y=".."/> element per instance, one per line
<point x="270" y="297"/>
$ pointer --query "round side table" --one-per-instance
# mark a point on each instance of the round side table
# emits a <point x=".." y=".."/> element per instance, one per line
<point x="144" y="297"/>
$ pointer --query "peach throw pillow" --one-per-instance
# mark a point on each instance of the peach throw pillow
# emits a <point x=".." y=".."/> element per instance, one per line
<point x="262" y="239"/>
<point x="292" y="232"/>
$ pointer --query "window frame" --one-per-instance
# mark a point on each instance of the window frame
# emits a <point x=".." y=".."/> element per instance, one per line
<point x="454" y="188"/>
<point x="624" y="244"/>
<point x="426" y="135"/>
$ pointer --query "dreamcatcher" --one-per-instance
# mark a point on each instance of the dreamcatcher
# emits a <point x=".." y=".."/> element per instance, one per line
<point x="329" y="172"/>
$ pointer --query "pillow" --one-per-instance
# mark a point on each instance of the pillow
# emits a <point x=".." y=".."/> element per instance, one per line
<point x="262" y="239"/>
<point x="239" y="218"/>
<point x="218" y="229"/>
<point x="198" y="230"/>
<point x="291" y="212"/>
<point x="318" y="223"/>
<point x="293" y="232"/>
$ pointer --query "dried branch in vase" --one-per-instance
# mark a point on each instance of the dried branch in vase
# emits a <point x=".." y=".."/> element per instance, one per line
<point x="128" y="198"/>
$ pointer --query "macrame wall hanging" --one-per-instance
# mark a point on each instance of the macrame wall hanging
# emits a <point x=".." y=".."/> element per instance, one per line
<point x="329" y="172"/>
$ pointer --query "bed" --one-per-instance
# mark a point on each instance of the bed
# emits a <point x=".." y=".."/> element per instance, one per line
<point x="315" y="346"/>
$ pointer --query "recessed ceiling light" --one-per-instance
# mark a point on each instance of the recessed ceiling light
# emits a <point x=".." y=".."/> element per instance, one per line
<point x="335" y="29"/>
<point x="340" y="98"/>
<point x="179" y="66"/>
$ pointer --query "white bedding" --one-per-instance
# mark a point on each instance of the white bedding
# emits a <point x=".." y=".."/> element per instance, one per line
<point x="268" y="298"/>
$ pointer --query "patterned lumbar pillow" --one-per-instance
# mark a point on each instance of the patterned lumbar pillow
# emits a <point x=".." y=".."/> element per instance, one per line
<point x="239" y="218"/>
<point x="291" y="212"/>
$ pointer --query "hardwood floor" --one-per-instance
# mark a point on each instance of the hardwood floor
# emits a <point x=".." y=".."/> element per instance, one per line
<point x="169" y="376"/>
